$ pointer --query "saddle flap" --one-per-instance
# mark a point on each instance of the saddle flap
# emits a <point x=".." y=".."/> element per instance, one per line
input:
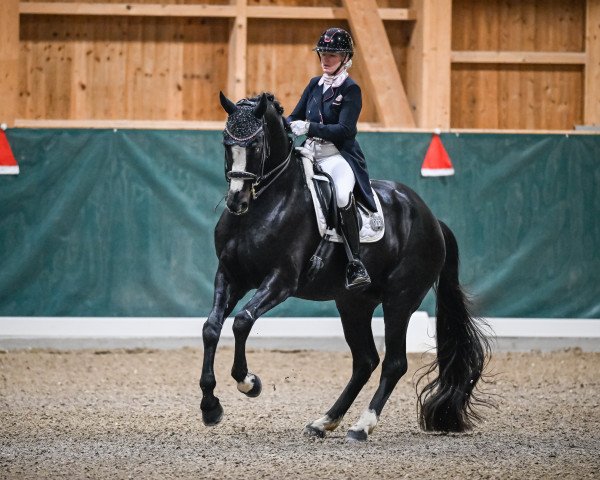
<point x="326" y="197"/>
<point x="323" y="195"/>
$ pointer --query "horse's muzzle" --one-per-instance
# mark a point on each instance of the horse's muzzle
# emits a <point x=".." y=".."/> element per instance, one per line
<point x="238" y="202"/>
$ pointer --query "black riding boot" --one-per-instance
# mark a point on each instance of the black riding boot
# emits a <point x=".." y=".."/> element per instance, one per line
<point x="356" y="273"/>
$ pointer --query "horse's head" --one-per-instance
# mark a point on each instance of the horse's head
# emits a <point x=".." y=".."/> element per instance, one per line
<point x="255" y="139"/>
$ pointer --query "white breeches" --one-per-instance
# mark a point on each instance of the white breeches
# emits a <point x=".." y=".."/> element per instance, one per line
<point x="343" y="177"/>
<point x="331" y="162"/>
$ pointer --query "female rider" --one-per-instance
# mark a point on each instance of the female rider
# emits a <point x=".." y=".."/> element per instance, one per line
<point x="327" y="113"/>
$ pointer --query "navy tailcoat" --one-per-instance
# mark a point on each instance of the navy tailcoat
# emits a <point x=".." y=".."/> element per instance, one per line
<point x="333" y="116"/>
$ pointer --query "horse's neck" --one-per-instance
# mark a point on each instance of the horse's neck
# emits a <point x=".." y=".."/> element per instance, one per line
<point x="290" y="182"/>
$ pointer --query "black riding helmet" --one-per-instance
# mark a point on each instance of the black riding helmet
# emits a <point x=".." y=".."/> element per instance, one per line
<point x="335" y="40"/>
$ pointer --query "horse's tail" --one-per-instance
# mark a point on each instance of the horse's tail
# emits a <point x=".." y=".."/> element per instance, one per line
<point x="446" y="404"/>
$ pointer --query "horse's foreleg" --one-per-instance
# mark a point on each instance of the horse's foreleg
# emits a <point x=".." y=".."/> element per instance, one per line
<point x="225" y="298"/>
<point x="271" y="293"/>
<point x="356" y="315"/>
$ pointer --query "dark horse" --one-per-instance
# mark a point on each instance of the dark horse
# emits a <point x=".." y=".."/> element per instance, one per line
<point x="265" y="239"/>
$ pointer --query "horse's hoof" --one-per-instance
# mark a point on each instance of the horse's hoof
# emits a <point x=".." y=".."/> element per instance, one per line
<point x="311" y="431"/>
<point x="251" y="386"/>
<point x="212" y="416"/>
<point x="357" y="436"/>
<point x="256" y="388"/>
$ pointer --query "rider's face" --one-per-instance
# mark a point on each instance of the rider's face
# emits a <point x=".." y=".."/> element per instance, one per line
<point x="330" y="62"/>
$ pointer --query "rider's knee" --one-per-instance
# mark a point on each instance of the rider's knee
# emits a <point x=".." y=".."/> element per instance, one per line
<point x="343" y="197"/>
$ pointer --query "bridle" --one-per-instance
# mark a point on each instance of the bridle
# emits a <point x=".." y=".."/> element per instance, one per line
<point x="260" y="182"/>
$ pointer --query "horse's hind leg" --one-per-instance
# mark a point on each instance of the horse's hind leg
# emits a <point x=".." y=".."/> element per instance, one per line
<point x="396" y="317"/>
<point x="356" y="315"/>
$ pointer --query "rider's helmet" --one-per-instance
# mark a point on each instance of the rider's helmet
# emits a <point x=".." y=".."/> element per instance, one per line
<point x="335" y="40"/>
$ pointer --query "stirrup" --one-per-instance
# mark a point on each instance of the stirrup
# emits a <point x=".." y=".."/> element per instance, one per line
<point x="356" y="275"/>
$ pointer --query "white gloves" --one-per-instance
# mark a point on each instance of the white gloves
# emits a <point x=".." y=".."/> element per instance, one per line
<point x="299" y="127"/>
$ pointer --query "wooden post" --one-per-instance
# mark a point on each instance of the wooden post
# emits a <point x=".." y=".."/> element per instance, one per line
<point x="383" y="79"/>
<point x="238" y="44"/>
<point x="591" y="110"/>
<point x="430" y="63"/>
<point x="9" y="61"/>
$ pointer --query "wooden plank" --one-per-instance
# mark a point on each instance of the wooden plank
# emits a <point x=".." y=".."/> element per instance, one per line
<point x="517" y="96"/>
<point x="295" y="13"/>
<point x="399" y="14"/>
<point x="238" y="46"/>
<point x="205" y="67"/>
<point x="79" y="77"/>
<point x="547" y="58"/>
<point x="324" y="13"/>
<point x="383" y="79"/>
<point x="9" y="61"/>
<point x="179" y="10"/>
<point x="591" y="108"/>
<point x="499" y="25"/>
<point x="131" y="9"/>
<point x="428" y="82"/>
<point x="120" y="124"/>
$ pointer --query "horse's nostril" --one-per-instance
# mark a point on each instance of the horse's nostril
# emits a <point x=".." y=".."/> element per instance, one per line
<point x="244" y="206"/>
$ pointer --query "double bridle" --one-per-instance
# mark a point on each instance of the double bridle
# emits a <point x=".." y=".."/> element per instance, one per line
<point x="258" y="181"/>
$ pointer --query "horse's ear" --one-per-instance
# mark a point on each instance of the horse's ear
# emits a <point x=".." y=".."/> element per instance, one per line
<point x="227" y="104"/>
<point x="260" y="109"/>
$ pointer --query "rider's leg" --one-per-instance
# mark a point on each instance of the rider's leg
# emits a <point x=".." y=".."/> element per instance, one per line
<point x="356" y="273"/>
<point x="343" y="178"/>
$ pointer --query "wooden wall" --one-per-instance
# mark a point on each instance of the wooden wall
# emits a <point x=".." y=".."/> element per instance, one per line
<point x="126" y="68"/>
<point x="513" y="95"/>
<point x="503" y="64"/>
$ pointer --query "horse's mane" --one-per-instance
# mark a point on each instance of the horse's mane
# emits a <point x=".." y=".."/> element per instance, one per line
<point x="254" y="100"/>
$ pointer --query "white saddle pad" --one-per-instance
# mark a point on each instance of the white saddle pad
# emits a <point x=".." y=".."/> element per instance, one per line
<point x="373" y="224"/>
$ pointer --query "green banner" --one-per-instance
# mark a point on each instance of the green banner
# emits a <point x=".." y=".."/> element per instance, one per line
<point x="120" y="223"/>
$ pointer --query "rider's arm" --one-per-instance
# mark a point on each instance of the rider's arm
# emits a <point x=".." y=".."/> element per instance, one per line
<point x="346" y="126"/>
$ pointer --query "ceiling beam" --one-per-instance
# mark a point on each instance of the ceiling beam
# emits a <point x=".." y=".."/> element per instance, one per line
<point x="383" y="79"/>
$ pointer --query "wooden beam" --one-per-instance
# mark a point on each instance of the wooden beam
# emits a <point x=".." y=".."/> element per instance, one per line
<point x="383" y="79"/>
<point x="238" y="45"/>
<point x="179" y="10"/>
<point x="548" y="58"/>
<point x="324" y="13"/>
<point x="9" y="61"/>
<point x="428" y="79"/>
<point x="120" y="124"/>
<point x="294" y="13"/>
<point x="131" y="9"/>
<point x="591" y="107"/>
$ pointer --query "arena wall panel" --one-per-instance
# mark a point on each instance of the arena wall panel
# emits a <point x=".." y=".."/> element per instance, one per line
<point x="119" y="222"/>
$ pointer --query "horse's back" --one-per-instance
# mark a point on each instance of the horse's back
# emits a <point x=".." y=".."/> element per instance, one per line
<point x="412" y="230"/>
<point x="399" y="199"/>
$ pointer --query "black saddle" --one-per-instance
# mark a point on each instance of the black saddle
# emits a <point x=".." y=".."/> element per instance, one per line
<point x="325" y="190"/>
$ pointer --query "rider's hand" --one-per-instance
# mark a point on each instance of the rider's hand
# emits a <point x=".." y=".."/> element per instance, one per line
<point x="299" y="127"/>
